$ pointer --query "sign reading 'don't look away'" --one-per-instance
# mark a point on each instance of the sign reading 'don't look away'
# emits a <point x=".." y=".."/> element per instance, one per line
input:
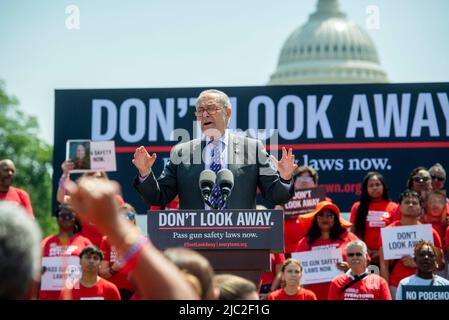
<point x="401" y="241"/>
<point x="319" y="265"/>
<point x="217" y="229"/>
<point x="304" y="200"/>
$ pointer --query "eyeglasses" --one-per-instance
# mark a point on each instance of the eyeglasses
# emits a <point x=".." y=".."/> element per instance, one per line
<point x="438" y="178"/>
<point x="304" y="179"/>
<point x="352" y="254"/>
<point x="210" y="111"/>
<point x="420" y="179"/>
<point x="328" y="215"/>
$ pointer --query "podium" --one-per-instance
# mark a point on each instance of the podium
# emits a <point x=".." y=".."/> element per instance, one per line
<point x="234" y="241"/>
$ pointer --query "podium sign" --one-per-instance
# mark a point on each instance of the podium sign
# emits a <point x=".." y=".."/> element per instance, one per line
<point x="217" y="229"/>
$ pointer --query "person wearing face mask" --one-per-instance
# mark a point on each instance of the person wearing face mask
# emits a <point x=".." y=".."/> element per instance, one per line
<point x="66" y="243"/>
<point x="291" y="276"/>
<point x="358" y="283"/>
<point x="246" y="158"/>
<point x="426" y="259"/>
<point x="410" y="207"/>
<point x="372" y="212"/>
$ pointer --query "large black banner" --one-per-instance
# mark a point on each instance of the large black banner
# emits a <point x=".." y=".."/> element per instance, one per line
<point x="343" y="131"/>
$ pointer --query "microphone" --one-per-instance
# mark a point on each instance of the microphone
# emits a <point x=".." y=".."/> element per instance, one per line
<point x="225" y="181"/>
<point x="206" y="184"/>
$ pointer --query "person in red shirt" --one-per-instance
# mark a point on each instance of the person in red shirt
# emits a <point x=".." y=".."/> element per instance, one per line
<point x="304" y="177"/>
<point x="88" y="229"/>
<point x="270" y="281"/>
<point x="393" y="271"/>
<point x="372" y="212"/>
<point x="10" y="193"/>
<point x="111" y="265"/>
<point x="358" y="283"/>
<point x="67" y="242"/>
<point x="91" y="286"/>
<point x="326" y="229"/>
<point x="291" y="275"/>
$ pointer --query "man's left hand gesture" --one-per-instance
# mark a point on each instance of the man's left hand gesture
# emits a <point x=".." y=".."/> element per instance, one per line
<point x="286" y="165"/>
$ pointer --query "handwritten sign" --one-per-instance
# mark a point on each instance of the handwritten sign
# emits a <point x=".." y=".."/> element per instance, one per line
<point x="57" y="271"/>
<point x="91" y="155"/>
<point x="401" y="241"/>
<point x="319" y="265"/>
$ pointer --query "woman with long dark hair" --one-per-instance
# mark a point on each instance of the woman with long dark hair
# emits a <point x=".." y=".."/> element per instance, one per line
<point x="326" y="229"/>
<point x="373" y="212"/>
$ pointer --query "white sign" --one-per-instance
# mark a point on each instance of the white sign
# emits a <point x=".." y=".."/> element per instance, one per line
<point x="400" y="241"/>
<point x="58" y="271"/>
<point x="319" y="265"/>
<point x="91" y="155"/>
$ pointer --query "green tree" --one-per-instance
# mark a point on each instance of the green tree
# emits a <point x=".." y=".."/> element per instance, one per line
<point x="32" y="156"/>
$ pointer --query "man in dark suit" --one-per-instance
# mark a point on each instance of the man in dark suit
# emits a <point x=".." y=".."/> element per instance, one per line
<point x="246" y="158"/>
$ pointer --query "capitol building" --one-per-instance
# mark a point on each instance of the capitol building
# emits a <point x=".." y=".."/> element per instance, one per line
<point x="328" y="48"/>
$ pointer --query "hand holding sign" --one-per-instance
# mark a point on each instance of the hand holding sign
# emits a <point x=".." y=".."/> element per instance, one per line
<point x="143" y="161"/>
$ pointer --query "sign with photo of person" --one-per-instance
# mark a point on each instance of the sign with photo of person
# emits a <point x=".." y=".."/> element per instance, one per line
<point x="89" y="155"/>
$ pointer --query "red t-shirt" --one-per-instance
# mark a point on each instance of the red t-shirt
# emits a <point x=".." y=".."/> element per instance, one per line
<point x="268" y="277"/>
<point x="52" y="247"/>
<point x="20" y="196"/>
<point x="400" y="271"/>
<point x="91" y="232"/>
<point x="120" y="279"/>
<point x="102" y="290"/>
<point x="302" y="294"/>
<point x="372" y="287"/>
<point x="447" y="238"/>
<point x="379" y="216"/>
<point x="321" y="289"/>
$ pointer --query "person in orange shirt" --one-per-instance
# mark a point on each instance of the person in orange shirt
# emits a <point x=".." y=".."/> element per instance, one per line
<point x="291" y="275"/>
<point x="326" y="230"/>
<point x="372" y="212"/>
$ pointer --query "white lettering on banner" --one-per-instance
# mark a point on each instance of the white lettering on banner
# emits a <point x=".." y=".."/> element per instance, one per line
<point x="298" y="115"/>
<point x="392" y="117"/>
<point x="425" y="106"/>
<point x="165" y="117"/>
<point x="392" y="114"/>
<point x="125" y="120"/>
<point x="359" y="106"/>
<point x="323" y="164"/>
<point x="315" y="118"/>
<point x="178" y="219"/>
<point x="424" y="117"/>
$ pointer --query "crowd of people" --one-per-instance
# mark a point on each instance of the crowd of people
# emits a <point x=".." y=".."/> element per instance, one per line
<point x="100" y="253"/>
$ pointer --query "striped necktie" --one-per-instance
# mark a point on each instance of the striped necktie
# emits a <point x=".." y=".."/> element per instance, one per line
<point x="215" y="197"/>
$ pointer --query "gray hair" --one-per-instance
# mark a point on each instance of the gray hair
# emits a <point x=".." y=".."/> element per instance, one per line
<point x="358" y="243"/>
<point x="222" y="97"/>
<point x="20" y="251"/>
<point x="437" y="167"/>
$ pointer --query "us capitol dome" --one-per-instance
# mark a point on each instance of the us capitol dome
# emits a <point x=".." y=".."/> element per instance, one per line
<point x="328" y="48"/>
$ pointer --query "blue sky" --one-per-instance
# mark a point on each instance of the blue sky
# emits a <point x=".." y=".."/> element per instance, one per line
<point x="144" y="44"/>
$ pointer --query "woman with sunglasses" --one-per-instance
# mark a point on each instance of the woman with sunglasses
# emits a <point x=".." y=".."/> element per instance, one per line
<point x="372" y="212"/>
<point x="358" y="283"/>
<point x="66" y="243"/>
<point x="110" y="266"/>
<point x="326" y="230"/>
